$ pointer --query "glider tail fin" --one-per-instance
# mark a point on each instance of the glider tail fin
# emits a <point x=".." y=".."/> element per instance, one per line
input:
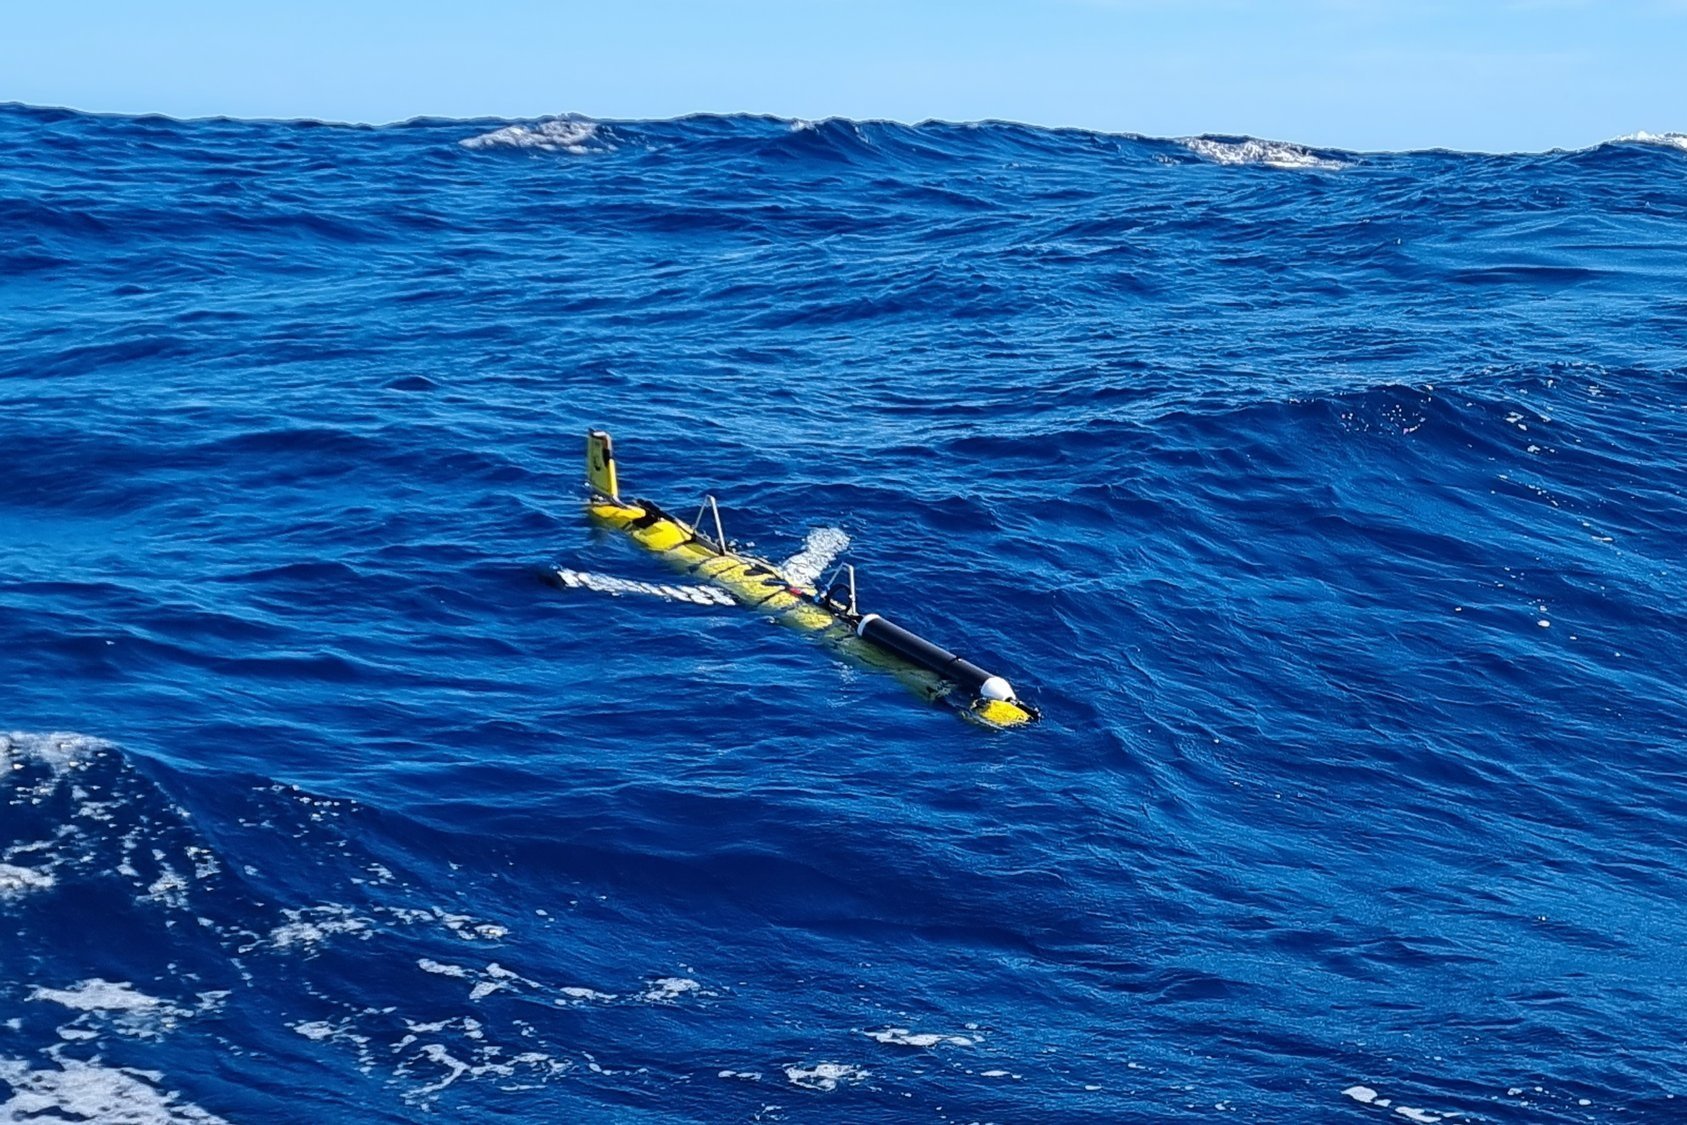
<point x="600" y="465"/>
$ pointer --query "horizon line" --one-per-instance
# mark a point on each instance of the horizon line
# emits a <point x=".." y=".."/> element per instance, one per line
<point x="1667" y="138"/>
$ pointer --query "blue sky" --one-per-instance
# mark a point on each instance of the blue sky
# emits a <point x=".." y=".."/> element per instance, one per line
<point x="1496" y="75"/>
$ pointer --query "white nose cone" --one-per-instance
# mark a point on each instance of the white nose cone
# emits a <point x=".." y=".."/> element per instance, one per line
<point x="996" y="688"/>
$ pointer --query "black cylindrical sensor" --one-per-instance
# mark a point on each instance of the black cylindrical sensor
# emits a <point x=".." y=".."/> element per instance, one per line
<point x="917" y="650"/>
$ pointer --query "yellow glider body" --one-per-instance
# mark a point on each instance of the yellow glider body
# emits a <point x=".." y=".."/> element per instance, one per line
<point x="758" y="584"/>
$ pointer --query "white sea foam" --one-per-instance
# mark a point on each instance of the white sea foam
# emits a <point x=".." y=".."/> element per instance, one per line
<point x="15" y="882"/>
<point x="1271" y="154"/>
<point x="205" y="864"/>
<point x="668" y="989"/>
<point x="903" y="1037"/>
<point x="1365" y="1095"/>
<point x="98" y="788"/>
<point x="609" y="584"/>
<point x="824" y="1076"/>
<point x="169" y="889"/>
<point x="469" y="929"/>
<point x="310" y="926"/>
<point x="427" y="965"/>
<point x="59" y="751"/>
<point x="86" y="1091"/>
<point x="120" y="1007"/>
<point x="99" y="995"/>
<point x="461" y="925"/>
<point x="820" y="548"/>
<point x="576" y="995"/>
<point x="494" y="978"/>
<point x="454" y="1068"/>
<point x="483" y="1060"/>
<point x="432" y="1055"/>
<point x="557" y="134"/>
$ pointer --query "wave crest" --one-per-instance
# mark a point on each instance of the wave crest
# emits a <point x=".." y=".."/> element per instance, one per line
<point x="1271" y="154"/>
<point x="1665" y="140"/>
<point x="556" y="134"/>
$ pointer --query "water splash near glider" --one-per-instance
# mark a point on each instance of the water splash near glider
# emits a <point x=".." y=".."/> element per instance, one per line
<point x="820" y="548"/>
<point x="609" y="584"/>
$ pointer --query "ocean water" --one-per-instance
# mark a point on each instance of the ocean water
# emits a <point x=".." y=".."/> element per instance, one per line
<point x="1329" y="504"/>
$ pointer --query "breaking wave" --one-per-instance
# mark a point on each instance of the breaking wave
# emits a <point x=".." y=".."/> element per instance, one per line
<point x="575" y="135"/>
<point x="1270" y="154"/>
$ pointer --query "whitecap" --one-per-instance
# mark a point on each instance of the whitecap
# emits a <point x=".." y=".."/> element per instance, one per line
<point x="59" y="751"/>
<point x="556" y="134"/>
<point x="1270" y="154"/>
<point x="578" y="995"/>
<point x="428" y="965"/>
<point x="494" y="978"/>
<point x="87" y="1091"/>
<point x="1668" y="140"/>
<point x="460" y="925"/>
<point x="903" y="1037"/>
<point x="15" y="882"/>
<point x="668" y="989"/>
<point x="311" y="926"/>
<point x="169" y="889"/>
<point x="824" y="1076"/>
<point x="121" y="1007"/>
<point x="99" y="995"/>
<point x="111" y="820"/>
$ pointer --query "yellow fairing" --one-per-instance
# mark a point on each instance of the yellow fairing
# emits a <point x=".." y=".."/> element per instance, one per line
<point x="999" y="713"/>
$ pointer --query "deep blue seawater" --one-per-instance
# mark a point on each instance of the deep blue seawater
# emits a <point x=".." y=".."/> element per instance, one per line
<point x="1331" y="506"/>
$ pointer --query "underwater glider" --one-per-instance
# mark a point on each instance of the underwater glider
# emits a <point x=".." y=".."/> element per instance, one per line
<point x="829" y="611"/>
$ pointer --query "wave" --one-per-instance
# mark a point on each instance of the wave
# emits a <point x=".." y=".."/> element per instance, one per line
<point x="575" y="135"/>
<point x="1666" y="140"/>
<point x="1270" y="154"/>
<point x="578" y="134"/>
<point x="79" y="812"/>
